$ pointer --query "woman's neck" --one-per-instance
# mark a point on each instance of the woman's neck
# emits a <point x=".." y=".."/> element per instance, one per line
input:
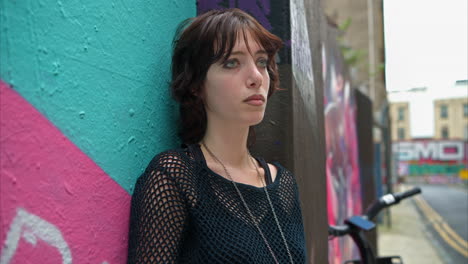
<point x="228" y="143"/>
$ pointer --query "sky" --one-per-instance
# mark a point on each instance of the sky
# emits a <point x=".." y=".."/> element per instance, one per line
<point x="426" y="42"/>
<point x="426" y="45"/>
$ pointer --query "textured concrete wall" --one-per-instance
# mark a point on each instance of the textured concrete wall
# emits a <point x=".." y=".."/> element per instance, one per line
<point x="308" y="135"/>
<point x="99" y="72"/>
<point x="84" y="107"/>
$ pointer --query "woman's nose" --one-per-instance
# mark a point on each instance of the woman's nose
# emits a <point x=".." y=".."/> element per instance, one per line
<point x="255" y="77"/>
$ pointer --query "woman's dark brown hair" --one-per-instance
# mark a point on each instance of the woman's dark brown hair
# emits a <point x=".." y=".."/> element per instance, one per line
<point x="201" y="41"/>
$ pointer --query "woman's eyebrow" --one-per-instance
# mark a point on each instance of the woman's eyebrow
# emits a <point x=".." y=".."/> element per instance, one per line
<point x="243" y="53"/>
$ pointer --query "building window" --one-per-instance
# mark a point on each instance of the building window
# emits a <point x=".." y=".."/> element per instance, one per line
<point x="445" y="133"/>
<point x="401" y="133"/>
<point x="401" y="113"/>
<point x="465" y="110"/>
<point x="443" y="111"/>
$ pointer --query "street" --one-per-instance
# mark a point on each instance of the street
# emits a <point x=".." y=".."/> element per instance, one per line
<point x="445" y="213"/>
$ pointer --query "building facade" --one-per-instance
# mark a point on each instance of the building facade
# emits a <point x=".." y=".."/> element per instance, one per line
<point x="400" y="121"/>
<point x="451" y="118"/>
<point x="439" y="154"/>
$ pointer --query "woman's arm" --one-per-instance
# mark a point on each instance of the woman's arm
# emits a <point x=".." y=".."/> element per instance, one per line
<point x="158" y="215"/>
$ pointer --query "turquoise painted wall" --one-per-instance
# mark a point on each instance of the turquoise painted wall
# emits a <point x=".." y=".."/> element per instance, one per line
<point x="98" y="70"/>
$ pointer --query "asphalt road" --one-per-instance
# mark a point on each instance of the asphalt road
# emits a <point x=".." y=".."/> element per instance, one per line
<point x="446" y="210"/>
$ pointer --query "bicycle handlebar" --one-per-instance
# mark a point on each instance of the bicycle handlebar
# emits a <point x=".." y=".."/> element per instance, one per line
<point x="389" y="200"/>
<point x="406" y="194"/>
<point x="383" y="202"/>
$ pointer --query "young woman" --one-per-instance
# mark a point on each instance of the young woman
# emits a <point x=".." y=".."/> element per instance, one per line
<point x="211" y="201"/>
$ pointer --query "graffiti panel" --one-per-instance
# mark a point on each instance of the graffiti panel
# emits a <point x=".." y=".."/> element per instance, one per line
<point x="342" y="161"/>
<point x="99" y="71"/>
<point x="433" y="161"/>
<point x="57" y="205"/>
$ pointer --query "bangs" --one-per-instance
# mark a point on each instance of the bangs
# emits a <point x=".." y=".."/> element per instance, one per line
<point x="226" y="33"/>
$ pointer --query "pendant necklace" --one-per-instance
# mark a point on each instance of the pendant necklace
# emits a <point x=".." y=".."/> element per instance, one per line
<point x="248" y="209"/>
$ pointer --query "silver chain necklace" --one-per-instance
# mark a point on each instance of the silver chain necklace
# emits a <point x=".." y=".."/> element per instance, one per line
<point x="247" y="207"/>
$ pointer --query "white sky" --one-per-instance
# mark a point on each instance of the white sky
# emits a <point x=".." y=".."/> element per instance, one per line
<point x="426" y="42"/>
<point x="426" y="45"/>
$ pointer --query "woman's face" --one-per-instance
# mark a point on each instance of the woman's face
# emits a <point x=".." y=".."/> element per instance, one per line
<point x="236" y="91"/>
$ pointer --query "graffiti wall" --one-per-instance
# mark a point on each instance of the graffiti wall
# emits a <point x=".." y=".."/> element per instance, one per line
<point x="57" y="205"/>
<point x="342" y="160"/>
<point x="83" y="109"/>
<point x="434" y="161"/>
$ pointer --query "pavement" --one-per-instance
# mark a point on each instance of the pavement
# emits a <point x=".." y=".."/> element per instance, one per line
<point x="408" y="235"/>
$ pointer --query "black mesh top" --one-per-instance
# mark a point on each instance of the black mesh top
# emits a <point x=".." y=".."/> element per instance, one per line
<point x="183" y="212"/>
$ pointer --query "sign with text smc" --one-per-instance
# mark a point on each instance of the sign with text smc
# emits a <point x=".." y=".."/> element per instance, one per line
<point x="429" y="150"/>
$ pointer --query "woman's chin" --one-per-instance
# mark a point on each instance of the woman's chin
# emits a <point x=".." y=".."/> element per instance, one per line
<point x="255" y="121"/>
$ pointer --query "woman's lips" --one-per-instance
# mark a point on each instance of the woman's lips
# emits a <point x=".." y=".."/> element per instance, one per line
<point x="255" y="100"/>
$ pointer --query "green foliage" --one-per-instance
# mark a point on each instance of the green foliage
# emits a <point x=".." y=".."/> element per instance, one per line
<point x="379" y="68"/>
<point x="352" y="57"/>
<point x="345" y="25"/>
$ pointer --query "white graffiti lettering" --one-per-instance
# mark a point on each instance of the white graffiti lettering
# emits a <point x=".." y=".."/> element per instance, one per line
<point x="32" y="228"/>
<point x="436" y="150"/>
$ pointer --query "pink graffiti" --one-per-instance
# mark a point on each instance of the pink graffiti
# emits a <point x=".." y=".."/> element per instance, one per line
<point x="43" y="172"/>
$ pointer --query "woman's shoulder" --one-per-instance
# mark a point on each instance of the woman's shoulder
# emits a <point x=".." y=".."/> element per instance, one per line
<point x="279" y="169"/>
<point x="174" y="158"/>
<point x="171" y="165"/>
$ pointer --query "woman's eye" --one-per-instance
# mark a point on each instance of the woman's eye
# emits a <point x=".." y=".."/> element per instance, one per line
<point x="230" y="64"/>
<point x="262" y="62"/>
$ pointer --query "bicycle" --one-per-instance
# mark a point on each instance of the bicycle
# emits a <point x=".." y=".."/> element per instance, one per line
<point x="355" y="227"/>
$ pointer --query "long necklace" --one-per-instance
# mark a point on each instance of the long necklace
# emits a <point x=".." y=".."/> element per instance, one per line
<point x="248" y="209"/>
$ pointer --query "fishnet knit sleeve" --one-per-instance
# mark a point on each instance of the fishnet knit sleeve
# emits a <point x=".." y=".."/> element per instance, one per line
<point x="158" y="214"/>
